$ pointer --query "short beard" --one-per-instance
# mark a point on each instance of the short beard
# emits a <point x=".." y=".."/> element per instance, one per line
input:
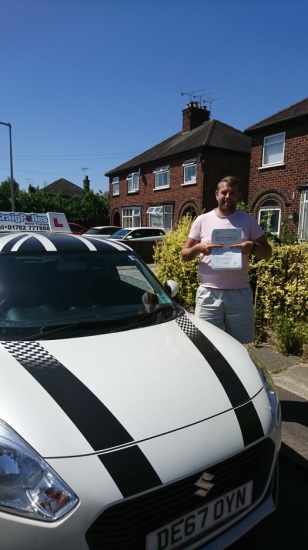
<point x="228" y="209"/>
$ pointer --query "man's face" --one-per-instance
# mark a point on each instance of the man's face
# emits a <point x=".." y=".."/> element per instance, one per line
<point x="227" y="198"/>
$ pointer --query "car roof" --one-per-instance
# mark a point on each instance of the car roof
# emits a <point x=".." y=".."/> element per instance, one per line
<point x="29" y="242"/>
<point x="105" y="226"/>
<point x="143" y="227"/>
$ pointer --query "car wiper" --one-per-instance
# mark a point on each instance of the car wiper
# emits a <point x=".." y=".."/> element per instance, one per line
<point x="146" y="318"/>
<point x="50" y="330"/>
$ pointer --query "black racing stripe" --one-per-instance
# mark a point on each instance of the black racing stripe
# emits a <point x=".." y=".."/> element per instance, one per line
<point x="97" y="424"/>
<point x="131" y="472"/>
<point x="229" y="380"/>
<point x="251" y="428"/>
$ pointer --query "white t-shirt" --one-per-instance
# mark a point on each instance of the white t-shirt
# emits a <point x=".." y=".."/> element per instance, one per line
<point x="201" y="231"/>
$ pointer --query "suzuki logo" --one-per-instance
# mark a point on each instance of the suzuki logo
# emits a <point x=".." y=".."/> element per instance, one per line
<point x="204" y="484"/>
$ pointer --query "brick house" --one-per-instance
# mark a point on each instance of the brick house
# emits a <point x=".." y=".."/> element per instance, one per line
<point x="180" y="174"/>
<point x="278" y="179"/>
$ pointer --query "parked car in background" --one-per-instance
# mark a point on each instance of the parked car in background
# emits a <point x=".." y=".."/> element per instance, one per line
<point x="140" y="233"/>
<point x="103" y="230"/>
<point x="77" y="229"/>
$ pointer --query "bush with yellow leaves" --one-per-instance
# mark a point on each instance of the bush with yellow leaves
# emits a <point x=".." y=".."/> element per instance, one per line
<point x="169" y="264"/>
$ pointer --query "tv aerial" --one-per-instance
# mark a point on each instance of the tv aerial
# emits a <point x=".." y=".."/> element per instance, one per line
<point x="192" y="94"/>
<point x="210" y="101"/>
<point x="84" y="171"/>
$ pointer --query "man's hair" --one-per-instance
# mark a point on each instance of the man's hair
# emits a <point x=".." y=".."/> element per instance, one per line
<point x="233" y="181"/>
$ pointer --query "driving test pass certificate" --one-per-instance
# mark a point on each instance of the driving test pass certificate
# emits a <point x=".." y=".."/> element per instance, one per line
<point x="226" y="258"/>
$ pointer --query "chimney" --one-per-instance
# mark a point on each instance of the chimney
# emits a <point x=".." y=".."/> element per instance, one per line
<point x="86" y="184"/>
<point x="194" y="116"/>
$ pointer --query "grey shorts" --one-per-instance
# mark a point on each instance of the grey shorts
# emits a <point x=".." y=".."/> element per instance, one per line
<point x="231" y="310"/>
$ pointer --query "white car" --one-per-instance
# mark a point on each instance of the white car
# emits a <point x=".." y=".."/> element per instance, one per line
<point x="126" y="423"/>
<point x="139" y="234"/>
<point x="102" y="230"/>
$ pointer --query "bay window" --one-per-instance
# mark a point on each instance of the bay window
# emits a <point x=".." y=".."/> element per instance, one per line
<point x="160" y="216"/>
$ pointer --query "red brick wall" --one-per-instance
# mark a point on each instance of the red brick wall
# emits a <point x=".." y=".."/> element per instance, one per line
<point x="280" y="183"/>
<point x="219" y="163"/>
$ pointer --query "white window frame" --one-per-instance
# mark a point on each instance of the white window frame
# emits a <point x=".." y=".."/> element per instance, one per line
<point x="271" y="149"/>
<point x="161" y="216"/>
<point x="160" y="178"/>
<point x="303" y="216"/>
<point x="189" y="178"/>
<point x="132" y="182"/>
<point x="271" y="208"/>
<point x="115" y="186"/>
<point x="131" y="217"/>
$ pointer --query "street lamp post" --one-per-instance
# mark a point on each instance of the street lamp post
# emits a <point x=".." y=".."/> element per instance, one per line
<point x="11" y="165"/>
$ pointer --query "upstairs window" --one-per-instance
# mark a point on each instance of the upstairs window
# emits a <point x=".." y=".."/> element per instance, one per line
<point x="162" y="177"/>
<point x="115" y="186"/>
<point x="190" y="171"/>
<point x="132" y="182"/>
<point x="273" y="149"/>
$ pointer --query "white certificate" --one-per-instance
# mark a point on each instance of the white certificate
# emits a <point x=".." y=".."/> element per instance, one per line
<point x="226" y="258"/>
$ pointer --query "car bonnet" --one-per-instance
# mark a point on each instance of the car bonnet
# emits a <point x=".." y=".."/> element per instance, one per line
<point x="82" y="395"/>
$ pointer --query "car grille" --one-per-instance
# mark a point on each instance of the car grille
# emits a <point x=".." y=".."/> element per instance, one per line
<point x="127" y="523"/>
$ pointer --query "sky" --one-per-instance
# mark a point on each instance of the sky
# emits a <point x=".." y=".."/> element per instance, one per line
<point x="89" y="84"/>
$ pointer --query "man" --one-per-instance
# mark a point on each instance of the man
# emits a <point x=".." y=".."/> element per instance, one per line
<point x="224" y="297"/>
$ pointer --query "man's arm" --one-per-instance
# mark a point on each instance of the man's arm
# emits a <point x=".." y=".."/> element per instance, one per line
<point x="192" y="248"/>
<point x="259" y="247"/>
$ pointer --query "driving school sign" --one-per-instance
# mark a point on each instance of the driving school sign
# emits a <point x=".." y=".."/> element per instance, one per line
<point x="23" y="221"/>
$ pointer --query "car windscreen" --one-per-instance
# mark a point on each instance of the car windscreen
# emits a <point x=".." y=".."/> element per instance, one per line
<point x="47" y="290"/>
<point x="120" y="234"/>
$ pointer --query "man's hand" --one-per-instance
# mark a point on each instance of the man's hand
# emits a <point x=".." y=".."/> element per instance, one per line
<point x="246" y="247"/>
<point x="260" y="247"/>
<point x="206" y="248"/>
<point x="192" y="248"/>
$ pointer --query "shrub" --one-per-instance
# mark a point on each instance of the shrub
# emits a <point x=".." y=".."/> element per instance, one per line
<point x="169" y="264"/>
<point x="290" y="340"/>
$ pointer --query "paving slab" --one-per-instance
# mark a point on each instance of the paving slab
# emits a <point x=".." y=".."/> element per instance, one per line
<point x="294" y="380"/>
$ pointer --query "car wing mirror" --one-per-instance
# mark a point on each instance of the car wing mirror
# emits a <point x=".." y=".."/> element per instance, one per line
<point x="172" y="287"/>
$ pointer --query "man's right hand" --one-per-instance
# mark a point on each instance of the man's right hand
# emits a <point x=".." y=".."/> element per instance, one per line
<point x="192" y="248"/>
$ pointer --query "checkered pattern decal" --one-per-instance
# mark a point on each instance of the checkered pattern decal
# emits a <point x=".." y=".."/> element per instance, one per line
<point x="188" y="327"/>
<point x="31" y="355"/>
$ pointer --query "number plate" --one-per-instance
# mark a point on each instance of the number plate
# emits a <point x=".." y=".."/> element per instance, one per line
<point x="183" y="529"/>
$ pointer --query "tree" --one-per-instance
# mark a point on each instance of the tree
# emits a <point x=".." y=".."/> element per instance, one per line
<point x="5" y="194"/>
<point x="87" y="209"/>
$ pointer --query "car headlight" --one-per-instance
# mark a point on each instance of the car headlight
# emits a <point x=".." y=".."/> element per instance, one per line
<point x="270" y="389"/>
<point x="28" y="486"/>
